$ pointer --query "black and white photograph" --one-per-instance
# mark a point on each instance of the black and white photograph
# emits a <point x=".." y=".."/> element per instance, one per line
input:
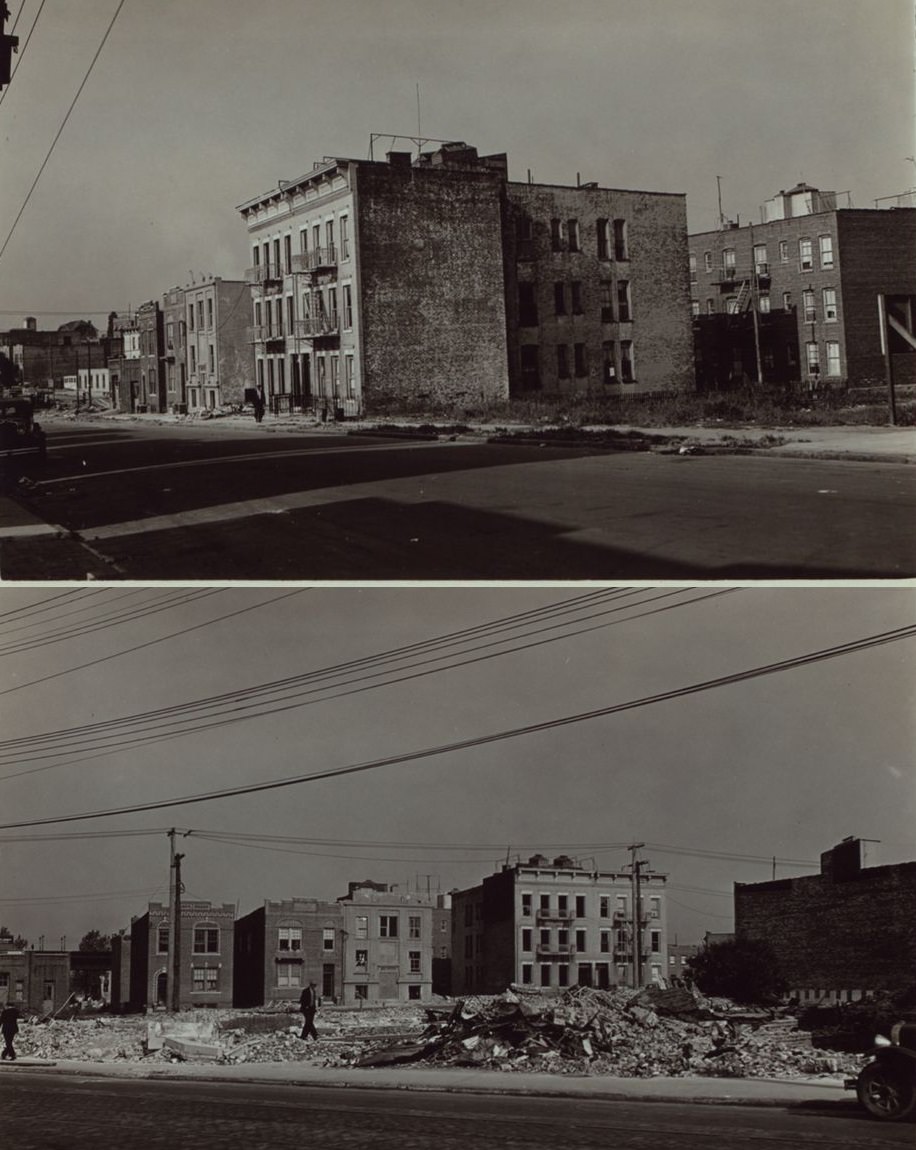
<point x="457" y="574"/>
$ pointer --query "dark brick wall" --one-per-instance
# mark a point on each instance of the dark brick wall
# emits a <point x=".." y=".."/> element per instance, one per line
<point x="858" y="934"/>
<point x="499" y="931"/>
<point x="656" y="270"/>
<point x="431" y="287"/>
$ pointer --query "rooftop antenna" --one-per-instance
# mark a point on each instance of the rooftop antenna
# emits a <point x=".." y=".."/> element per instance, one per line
<point x="419" y="131"/>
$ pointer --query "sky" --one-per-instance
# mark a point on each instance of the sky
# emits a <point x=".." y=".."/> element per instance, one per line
<point x="194" y="106"/>
<point x="714" y="783"/>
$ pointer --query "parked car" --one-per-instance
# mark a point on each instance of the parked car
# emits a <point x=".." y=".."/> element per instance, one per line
<point x="20" y="436"/>
<point x="886" y="1087"/>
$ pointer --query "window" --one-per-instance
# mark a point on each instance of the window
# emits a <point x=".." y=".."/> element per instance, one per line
<point x="530" y="367"/>
<point x="805" y="258"/>
<point x="344" y="237"/>
<point x="361" y="959"/>
<point x="761" y="267"/>
<point x="191" y="318"/>
<point x="604" y="941"/>
<point x="290" y="314"/>
<point x="623" y="301"/>
<point x="826" y="248"/>
<point x="693" y="268"/>
<point x="211" y="357"/>
<point x="833" y="357"/>
<point x="362" y="926"/>
<point x="349" y="377"/>
<point x="526" y="938"/>
<point x="335" y="374"/>
<point x="414" y="959"/>
<point x="545" y="936"/>
<point x="545" y="901"/>
<point x="556" y="235"/>
<point x="655" y="907"/>
<point x="256" y="255"/>
<point x="526" y="904"/>
<point x="830" y="312"/>
<point x="413" y="926"/>
<point x="289" y="974"/>
<point x="580" y="906"/>
<point x="808" y="305"/>
<point x="604" y="239"/>
<point x="581" y="367"/>
<point x="332" y="304"/>
<point x="572" y="232"/>
<point x="206" y="940"/>
<point x="787" y="300"/>
<point x="347" y="307"/>
<point x="545" y="974"/>
<point x="627" y="369"/>
<point x="575" y="289"/>
<point x="604" y="906"/>
<point x="607" y="301"/>
<point x="710" y="307"/>
<point x="388" y="926"/>
<point x="707" y="261"/>
<point x="316" y="238"/>
<point x="812" y="357"/>
<point x="303" y="240"/>
<point x="562" y="974"/>
<point x="329" y="236"/>
<point x="162" y="940"/>
<point x="289" y="938"/>
<point x="200" y="313"/>
<point x="205" y="978"/>
<point x="275" y="270"/>
<point x="527" y="305"/>
<point x="562" y="361"/>
<point x="563" y="937"/>
<point x="559" y="299"/>
<point x="620" y="240"/>
<point x="209" y="311"/>
<point x="694" y="308"/>
<point x="731" y="305"/>
<point x="783" y="251"/>
<point x="655" y="941"/>
<point x="728" y="262"/>
<point x="581" y="942"/>
<point x="562" y="903"/>
<point x="413" y="992"/>
<point x="527" y="973"/>
<point x="327" y="938"/>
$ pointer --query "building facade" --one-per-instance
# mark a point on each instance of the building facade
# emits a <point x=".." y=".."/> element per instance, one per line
<point x="436" y="281"/>
<point x="283" y="945"/>
<point x="217" y="352"/>
<point x="206" y="955"/>
<point x="37" y="981"/>
<point x="552" y="924"/>
<point x="807" y="279"/>
<point x="839" y="935"/>
<point x="175" y="363"/>
<point x="387" y="945"/>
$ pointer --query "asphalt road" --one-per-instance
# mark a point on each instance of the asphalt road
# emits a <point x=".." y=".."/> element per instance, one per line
<point x="44" y="1111"/>
<point x="230" y="502"/>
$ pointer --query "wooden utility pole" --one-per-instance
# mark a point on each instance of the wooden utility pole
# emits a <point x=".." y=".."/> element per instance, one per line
<point x="888" y="360"/>
<point x="173" y="971"/>
<point x="636" y="917"/>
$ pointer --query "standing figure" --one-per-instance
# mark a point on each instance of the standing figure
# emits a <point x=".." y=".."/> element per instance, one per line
<point x="259" y="405"/>
<point x="308" y="1004"/>
<point x="9" y="1028"/>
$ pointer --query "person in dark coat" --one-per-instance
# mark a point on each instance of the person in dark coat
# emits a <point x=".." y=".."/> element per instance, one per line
<point x="9" y="1028"/>
<point x="308" y="1004"/>
<point x="259" y="405"/>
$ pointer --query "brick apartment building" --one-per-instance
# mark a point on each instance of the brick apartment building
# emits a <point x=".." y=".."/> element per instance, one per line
<point x="206" y="955"/>
<point x="216" y="349"/>
<point x="283" y="945"/>
<point x="841" y="934"/>
<point x="436" y="280"/>
<point x="552" y="924"/>
<point x="810" y="272"/>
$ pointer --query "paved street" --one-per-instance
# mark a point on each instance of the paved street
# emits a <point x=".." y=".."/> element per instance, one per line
<point x="44" y="1111"/>
<point x="235" y="501"/>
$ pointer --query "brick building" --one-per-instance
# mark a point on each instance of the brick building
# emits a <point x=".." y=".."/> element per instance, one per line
<point x="811" y="273"/>
<point x="412" y="283"/>
<point x="553" y="924"/>
<point x="840" y="934"/>
<point x="175" y="365"/>
<point x="217" y="351"/>
<point x="387" y="945"/>
<point x="206" y="955"/>
<point x="282" y="945"/>
<point x="37" y="981"/>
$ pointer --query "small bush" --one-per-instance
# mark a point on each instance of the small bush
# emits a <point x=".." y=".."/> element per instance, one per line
<point x="742" y="969"/>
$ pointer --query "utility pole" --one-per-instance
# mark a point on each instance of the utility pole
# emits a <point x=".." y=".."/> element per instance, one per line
<point x="636" y="917"/>
<point x="755" y="296"/>
<point x="173" y="972"/>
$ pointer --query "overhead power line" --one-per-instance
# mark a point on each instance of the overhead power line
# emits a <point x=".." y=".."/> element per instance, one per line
<point x="782" y="665"/>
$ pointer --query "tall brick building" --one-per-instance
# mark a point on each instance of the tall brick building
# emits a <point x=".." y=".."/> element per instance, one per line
<point x="206" y="951"/>
<point x="283" y="945"/>
<point x="553" y="923"/>
<point x="840" y="934"/>
<point x="812" y="271"/>
<point x="436" y="280"/>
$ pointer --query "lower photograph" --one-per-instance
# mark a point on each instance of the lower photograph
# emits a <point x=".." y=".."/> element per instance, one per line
<point x="570" y="865"/>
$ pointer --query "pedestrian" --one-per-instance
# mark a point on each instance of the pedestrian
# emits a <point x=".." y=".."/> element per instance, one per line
<point x="9" y="1028"/>
<point x="308" y="1004"/>
<point x="259" y="405"/>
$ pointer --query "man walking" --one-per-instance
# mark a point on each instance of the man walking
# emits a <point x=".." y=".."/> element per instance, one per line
<point x="9" y="1028"/>
<point x="308" y="1004"/>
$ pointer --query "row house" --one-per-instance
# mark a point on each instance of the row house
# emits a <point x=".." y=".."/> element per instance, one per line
<point x="213" y="343"/>
<point x="205" y="951"/>
<point x="553" y="924"/>
<point x="803" y="285"/>
<point x="414" y="282"/>
<point x="283" y="945"/>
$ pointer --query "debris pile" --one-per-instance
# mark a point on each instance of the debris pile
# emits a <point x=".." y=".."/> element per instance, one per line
<point x="642" y="1034"/>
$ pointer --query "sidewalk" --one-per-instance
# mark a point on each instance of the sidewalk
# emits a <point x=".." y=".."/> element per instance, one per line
<point x="710" y="1091"/>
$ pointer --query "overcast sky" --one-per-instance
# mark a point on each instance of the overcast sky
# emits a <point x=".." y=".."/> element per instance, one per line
<point x="785" y="765"/>
<point x="194" y="106"/>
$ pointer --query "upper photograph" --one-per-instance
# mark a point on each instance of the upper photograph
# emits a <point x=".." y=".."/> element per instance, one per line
<point x="409" y="290"/>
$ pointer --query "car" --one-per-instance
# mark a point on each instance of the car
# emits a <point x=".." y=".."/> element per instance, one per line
<point x="886" y="1086"/>
<point x="21" y="438"/>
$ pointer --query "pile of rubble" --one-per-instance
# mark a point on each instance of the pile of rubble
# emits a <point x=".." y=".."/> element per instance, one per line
<point x="642" y="1034"/>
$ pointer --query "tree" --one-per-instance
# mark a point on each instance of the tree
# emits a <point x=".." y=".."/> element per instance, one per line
<point x="740" y="968"/>
<point x="7" y="940"/>
<point x="94" y="940"/>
